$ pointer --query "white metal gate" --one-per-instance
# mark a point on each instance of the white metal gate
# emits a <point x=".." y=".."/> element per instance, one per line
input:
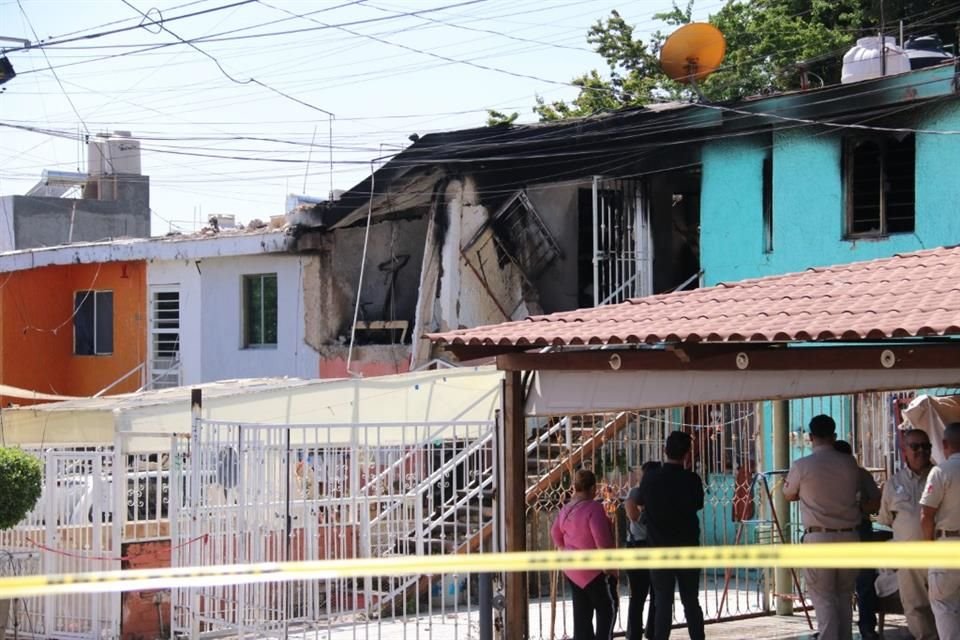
<point x="622" y="241"/>
<point x="72" y="530"/>
<point x="257" y="493"/>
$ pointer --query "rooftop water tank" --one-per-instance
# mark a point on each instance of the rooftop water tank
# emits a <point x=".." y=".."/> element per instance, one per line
<point x="864" y="60"/>
<point x="926" y="51"/>
<point x="113" y="153"/>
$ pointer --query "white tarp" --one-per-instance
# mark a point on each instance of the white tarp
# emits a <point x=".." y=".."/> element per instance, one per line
<point x="461" y="394"/>
<point x="932" y="414"/>
<point x="576" y="392"/>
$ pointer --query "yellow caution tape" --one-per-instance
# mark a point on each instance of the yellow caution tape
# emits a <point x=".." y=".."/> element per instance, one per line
<point x="889" y="555"/>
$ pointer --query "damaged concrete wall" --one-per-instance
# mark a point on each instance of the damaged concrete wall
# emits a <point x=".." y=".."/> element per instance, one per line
<point x="475" y="288"/>
<point x="339" y="253"/>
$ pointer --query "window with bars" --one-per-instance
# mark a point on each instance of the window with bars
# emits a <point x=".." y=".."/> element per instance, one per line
<point x="260" y="310"/>
<point x="879" y="175"/>
<point x="93" y="323"/>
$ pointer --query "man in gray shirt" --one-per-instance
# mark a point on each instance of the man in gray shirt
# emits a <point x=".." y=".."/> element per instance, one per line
<point x="900" y="510"/>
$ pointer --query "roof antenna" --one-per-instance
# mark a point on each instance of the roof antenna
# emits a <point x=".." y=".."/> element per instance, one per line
<point x="692" y="53"/>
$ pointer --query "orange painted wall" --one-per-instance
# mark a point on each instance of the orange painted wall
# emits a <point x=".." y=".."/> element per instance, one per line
<point x="36" y="330"/>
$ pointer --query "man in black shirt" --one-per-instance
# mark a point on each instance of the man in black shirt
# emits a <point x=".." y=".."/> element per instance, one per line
<point x="671" y="498"/>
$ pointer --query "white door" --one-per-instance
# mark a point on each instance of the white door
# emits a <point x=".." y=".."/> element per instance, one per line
<point x="164" y="338"/>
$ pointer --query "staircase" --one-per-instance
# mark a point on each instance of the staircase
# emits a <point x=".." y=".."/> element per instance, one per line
<point x="453" y="505"/>
<point x="561" y="447"/>
<point x="454" y="502"/>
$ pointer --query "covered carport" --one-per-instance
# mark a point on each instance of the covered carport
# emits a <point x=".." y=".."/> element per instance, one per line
<point x="879" y="325"/>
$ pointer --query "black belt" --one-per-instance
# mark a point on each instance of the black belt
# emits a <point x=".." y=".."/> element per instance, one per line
<point x="828" y="530"/>
<point x="947" y="533"/>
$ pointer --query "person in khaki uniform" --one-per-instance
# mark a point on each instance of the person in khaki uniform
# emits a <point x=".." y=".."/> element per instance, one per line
<point x="940" y="520"/>
<point x="900" y="510"/>
<point x="827" y="484"/>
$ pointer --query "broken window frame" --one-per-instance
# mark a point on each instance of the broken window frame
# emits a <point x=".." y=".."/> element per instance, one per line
<point x="887" y="147"/>
<point x="507" y="218"/>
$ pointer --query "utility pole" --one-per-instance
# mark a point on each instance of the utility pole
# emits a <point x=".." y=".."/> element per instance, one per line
<point x="883" y="42"/>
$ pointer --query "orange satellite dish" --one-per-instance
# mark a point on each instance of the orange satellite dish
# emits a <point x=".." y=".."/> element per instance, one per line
<point x="692" y="52"/>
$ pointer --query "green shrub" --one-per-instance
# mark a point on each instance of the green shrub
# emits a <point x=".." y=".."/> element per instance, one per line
<point x="20" y="484"/>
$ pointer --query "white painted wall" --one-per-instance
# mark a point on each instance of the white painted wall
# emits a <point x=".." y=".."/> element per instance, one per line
<point x="211" y="317"/>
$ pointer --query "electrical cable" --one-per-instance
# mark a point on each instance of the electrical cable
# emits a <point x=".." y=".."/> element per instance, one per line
<point x="40" y="44"/>
<point x="55" y="75"/>
<point x="217" y="38"/>
<point x="363" y="263"/>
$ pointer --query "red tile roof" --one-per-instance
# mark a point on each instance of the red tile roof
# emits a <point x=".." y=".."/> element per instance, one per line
<point x="914" y="294"/>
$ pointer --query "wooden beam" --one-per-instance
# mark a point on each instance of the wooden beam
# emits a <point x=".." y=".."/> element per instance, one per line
<point x="465" y="352"/>
<point x="740" y="357"/>
<point x="513" y="494"/>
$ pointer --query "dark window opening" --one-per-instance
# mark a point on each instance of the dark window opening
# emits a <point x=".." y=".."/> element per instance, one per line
<point x="93" y="323"/>
<point x="767" y="204"/>
<point x="880" y="174"/>
<point x="585" y="248"/>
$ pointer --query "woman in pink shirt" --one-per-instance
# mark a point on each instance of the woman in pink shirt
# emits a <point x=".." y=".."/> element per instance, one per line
<point x="583" y="524"/>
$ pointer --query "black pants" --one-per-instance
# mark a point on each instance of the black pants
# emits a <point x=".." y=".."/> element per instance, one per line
<point x="600" y="597"/>
<point x="687" y="582"/>
<point x="640" y="586"/>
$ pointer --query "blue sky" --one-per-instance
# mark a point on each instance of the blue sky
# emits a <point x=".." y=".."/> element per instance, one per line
<point x="382" y="72"/>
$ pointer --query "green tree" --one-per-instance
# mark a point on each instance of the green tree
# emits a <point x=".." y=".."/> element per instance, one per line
<point x="496" y="118"/>
<point x="767" y="43"/>
<point x="20" y="484"/>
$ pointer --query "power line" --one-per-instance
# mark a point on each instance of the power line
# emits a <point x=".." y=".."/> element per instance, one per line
<point x="217" y="37"/>
<point x="40" y="44"/>
<point x="489" y="31"/>
<point x="55" y="75"/>
<point x="113" y="22"/>
<point x="250" y="80"/>
<point x="421" y="51"/>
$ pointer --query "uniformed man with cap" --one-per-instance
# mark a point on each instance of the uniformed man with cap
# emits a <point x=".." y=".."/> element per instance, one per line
<point x="900" y="510"/>
<point x="940" y="520"/>
<point x="827" y="484"/>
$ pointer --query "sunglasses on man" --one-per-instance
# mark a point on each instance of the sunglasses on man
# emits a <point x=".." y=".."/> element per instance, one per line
<point x="920" y="446"/>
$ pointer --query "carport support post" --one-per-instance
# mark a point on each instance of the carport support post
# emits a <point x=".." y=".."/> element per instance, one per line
<point x="515" y="615"/>
<point x="196" y="415"/>
<point x="782" y="582"/>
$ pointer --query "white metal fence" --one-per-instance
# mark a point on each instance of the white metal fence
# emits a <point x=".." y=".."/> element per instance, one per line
<point x="93" y="502"/>
<point x="254" y="493"/>
<point x="248" y="493"/>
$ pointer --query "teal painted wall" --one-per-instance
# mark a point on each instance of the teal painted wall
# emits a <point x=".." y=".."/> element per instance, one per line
<point x="808" y="211"/>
